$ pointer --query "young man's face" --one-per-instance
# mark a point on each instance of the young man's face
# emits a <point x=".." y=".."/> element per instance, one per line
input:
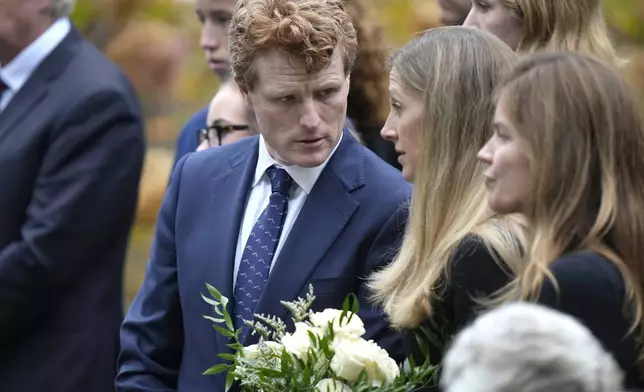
<point x="214" y="16"/>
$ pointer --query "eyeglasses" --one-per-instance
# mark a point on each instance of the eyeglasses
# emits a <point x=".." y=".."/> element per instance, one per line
<point x="217" y="132"/>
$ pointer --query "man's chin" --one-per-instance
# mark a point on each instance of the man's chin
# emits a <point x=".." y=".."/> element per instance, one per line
<point x="311" y="159"/>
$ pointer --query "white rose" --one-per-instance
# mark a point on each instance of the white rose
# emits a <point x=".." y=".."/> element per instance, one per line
<point x="353" y="356"/>
<point x="252" y="351"/>
<point x="349" y="329"/>
<point x="299" y="342"/>
<point x="331" y="385"/>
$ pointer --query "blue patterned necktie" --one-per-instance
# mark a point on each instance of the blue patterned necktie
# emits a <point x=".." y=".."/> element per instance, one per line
<point x="260" y="247"/>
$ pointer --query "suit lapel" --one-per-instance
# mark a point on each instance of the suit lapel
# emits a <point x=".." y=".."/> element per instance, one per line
<point x="37" y="86"/>
<point x="227" y="205"/>
<point x="328" y="208"/>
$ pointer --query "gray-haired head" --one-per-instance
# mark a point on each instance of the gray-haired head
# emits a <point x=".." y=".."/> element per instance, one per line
<point x="62" y="8"/>
<point x="523" y="347"/>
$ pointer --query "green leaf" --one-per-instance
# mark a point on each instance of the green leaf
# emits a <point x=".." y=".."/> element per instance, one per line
<point x="356" y="304"/>
<point x="230" y="379"/>
<point x="210" y="301"/>
<point x="409" y="365"/>
<point x="214" y="320"/>
<point x="227" y="357"/>
<point x="229" y="320"/>
<point x="422" y="344"/>
<point x="214" y="292"/>
<point x="346" y="304"/>
<point x="225" y="332"/>
<point x="430" y="337"/>
<point x="235" y="346"/>
<point x="222" y="367"/>
<point x="266" y="372"/>
<point x="351" y="303"/>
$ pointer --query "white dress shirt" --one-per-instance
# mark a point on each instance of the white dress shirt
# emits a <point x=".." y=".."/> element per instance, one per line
<point x="16" y="73"/>
<point x="304" y="179"/>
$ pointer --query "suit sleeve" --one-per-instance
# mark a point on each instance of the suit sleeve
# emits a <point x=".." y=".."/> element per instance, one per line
<point x="382" y="252"/>
<point x="152" y="333"/>
<point x="85" y="195"/>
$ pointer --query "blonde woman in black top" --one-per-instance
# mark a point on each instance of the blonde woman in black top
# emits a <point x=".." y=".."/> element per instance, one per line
<point x="568" y="154"/>
<point x="455" y="249"/>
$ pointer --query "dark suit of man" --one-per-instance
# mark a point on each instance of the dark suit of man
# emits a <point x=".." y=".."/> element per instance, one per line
<point x="350" y="224"/>
<point x="71" y="151"/>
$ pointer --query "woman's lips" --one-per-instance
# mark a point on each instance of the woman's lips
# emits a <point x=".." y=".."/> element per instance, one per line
<point x="400" y="156"/>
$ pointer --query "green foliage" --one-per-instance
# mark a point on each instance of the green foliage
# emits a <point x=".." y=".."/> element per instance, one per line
<point x="84" y="14"/>
<point x="269" y="367"/>
<point x="627" y="18"/>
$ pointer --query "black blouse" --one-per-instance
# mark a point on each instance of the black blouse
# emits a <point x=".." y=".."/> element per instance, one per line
<point x="474" y="275"/>
<point x="592" y="290"/>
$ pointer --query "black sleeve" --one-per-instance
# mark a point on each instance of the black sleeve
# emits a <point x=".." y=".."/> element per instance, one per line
<point x="592" y="290"/>
<point x="475" y="274"/>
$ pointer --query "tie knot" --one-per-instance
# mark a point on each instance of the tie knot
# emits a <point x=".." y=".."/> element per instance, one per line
<point x="280" y="180"/>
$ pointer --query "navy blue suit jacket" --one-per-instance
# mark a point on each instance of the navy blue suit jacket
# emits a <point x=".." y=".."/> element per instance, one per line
<point x="350" y="224"/>
<point x="71" y="152"/>
<point x="187" y="141"/>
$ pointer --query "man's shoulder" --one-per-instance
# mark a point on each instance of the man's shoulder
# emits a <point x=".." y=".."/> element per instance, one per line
<point x="91" y="73"/>
<point x="214" y="162"/>
<point x="381" y="177"/>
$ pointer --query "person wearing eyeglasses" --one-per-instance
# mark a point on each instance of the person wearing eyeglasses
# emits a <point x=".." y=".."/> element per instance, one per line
<point x="229" y="119"/>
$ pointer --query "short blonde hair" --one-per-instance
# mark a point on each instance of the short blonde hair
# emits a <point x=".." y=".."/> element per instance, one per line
<point x="563" y="25"/>
<point x="309" y="30"/>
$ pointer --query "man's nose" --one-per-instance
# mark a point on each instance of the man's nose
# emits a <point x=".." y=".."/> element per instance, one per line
<point x="310" y="117"/>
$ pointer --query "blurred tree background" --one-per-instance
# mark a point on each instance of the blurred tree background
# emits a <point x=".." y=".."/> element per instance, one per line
<point x="156" y="43"/>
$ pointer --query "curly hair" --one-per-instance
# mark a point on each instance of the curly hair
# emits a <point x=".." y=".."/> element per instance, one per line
<point x="369" y="79"/>
<point x="308" y="30"/>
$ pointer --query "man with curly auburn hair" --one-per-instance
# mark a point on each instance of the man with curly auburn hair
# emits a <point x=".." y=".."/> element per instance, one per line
<point x="262" y="218"/>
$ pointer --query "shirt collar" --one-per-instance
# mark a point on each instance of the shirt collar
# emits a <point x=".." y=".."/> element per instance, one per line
<point x="304" y="177"/>
<point x="16" y="73"/>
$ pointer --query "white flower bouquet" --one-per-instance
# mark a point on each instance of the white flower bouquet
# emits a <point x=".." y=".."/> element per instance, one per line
<point x="325" y="353"/>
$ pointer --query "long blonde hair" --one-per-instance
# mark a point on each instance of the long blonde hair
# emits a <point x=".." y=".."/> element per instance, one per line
<point x="584" y="140"/>
<point x="454" y="70"/>
<point x="563" y="26"/>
